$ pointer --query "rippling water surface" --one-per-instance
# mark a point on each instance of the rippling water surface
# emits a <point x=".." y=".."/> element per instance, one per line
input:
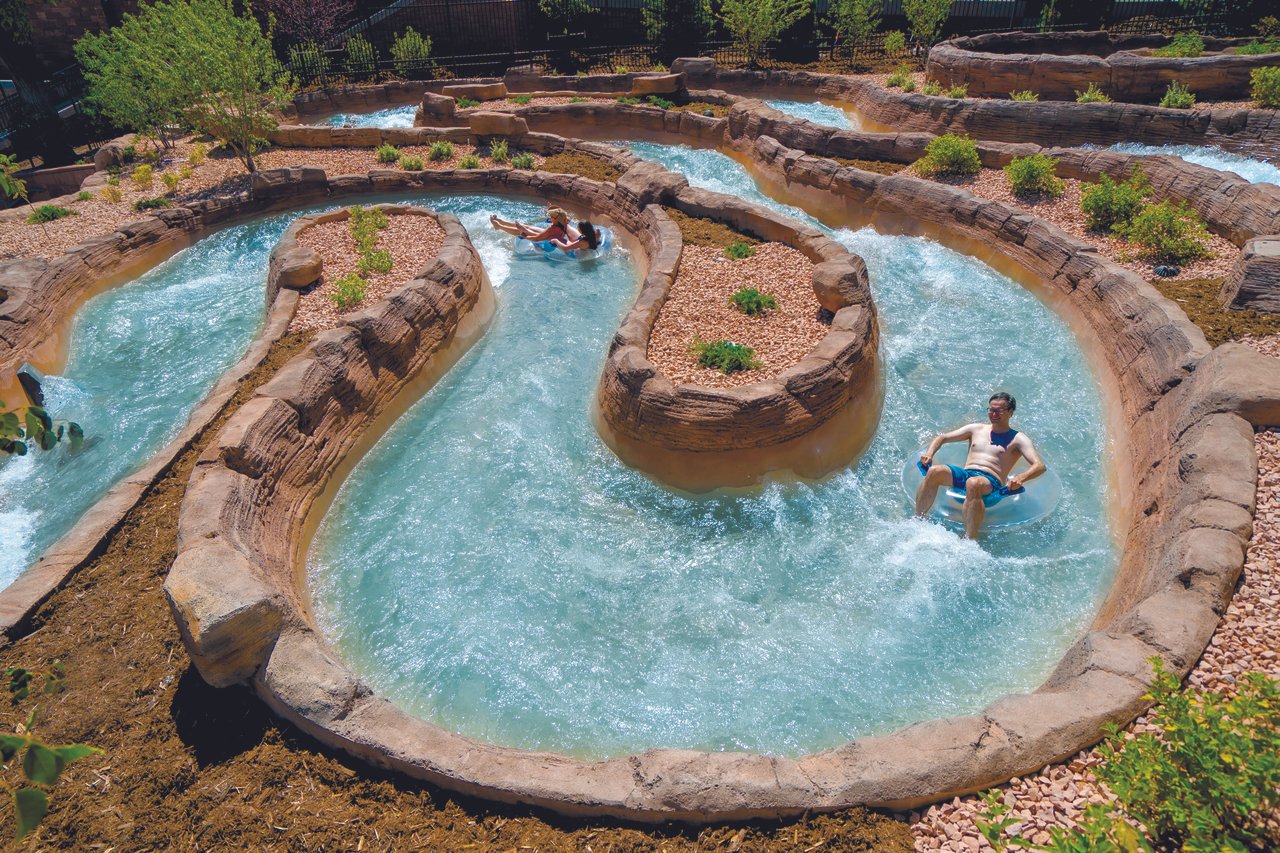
<point x="390" y="117"/>
<point x="1251" y="169"/>
<point x="814" y="111"/>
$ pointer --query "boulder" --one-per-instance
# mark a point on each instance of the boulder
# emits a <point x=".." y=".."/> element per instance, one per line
<point x="299" y="268"/>
<point x="1255" y="280"/>
<point x="658" y="84"/>
<point x="489" y="123"/>
<point x="109" y="156"/>
<point x="435" y="107"/>
<point x="476" y="91"/>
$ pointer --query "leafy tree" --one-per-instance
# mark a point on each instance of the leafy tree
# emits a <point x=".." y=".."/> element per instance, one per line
<point x="20" y="63"/>
<point x="561" y="14"/>
<point x="411" y="52"/>
<point x="677" y="27"/>
<point x="315" y="21"/>
<point x="856" y="19"/>
<point x="754" y="23"/>
<point x="362" y="57"/>
<point x="11" y="186"/>
<point x="926" y="18"/>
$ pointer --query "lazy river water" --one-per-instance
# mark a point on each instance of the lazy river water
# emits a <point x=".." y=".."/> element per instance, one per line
<point x="1250" y="168"/>
<point x="390" y="117"/>
<point x="492" y="567"/>
<point x="814" y="111"/>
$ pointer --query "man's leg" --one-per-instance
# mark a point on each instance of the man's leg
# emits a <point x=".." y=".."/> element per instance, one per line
<point x="975" y="488"/>
<point x="937" y="477"/>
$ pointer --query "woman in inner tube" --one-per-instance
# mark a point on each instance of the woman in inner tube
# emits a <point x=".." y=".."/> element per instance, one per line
<point x="558" y="229"/>
<point x="588" y="239"/>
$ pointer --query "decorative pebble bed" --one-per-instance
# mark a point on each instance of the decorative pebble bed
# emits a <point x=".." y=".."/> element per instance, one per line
<point x="509" y="105"/>
<point x="698" y="307"/>
<point x="411" y="240"/>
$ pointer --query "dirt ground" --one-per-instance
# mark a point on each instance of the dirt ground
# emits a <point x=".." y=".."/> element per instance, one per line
<point x="1199" y="298"/>
<point x="188" y="767"/>
<point x="706" y="232"/>
<point x="580" y="164"/>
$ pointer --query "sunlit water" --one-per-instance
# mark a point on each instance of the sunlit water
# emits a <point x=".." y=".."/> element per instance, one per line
<point x="1249" y="168"/>
<point x="391" y="117"/>
<point x="814" y="111"/>
<point x="492" y="567"/>
<point x="141" y="357"/>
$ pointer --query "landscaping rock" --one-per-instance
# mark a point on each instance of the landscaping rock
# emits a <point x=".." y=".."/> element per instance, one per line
<point x="489" y="123"/>
<point x="1254" y="283"/>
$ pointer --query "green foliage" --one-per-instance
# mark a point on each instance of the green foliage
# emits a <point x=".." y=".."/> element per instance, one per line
<point x="1167" y="232"/>
<point x="112" y="193"/>
<point x="1258" y="48"/>
<point x="411" y="52"/>
<point x="950" y="154"/>
<point x="1185" y="45"/>
<point x="308" y="59"/>
<point x="35" y="427"/>
<point x="10" y="184"/>
<point x="197" y="154"/>
<point x="931" y="88"/>
<point x="739" y="250"/>
<point x="724" y="356"/>
<point x="1265" y="86"/>
<point x="48" y="213"/>
<point x="563" y="13"/>
<point x="362" y="57"/>
<point x="471" y="161"/>
<point x="1268" y="27"/>
<point x="523" y="160"/>
<point x="1034" y="175"/>
<point x="617" y="69"/>
<point x="926" y="18"/>
<point x="143" y="176"/>
<point x="909" y="85"/>
<point x="375" y="262"/>
<point x="1092" y="95"/>
<point x="751" y="302"/>
<point x="626" y="100"/>
<point x="578" y="100"/>
<point x="522" y="100"/>
<point x="152" y="203"/>
<point x="349" y="291"/>
<point x="676" y="27"/>
<point x="899" y="77"/>
<point x="1177" y="97"/>
<point x="84" y="195"/>
<point x="1108" y="204"/>
<point x="959" y="91"/>
<point x="856" y="19"/>
<point x="659" y="101"/>
<point x="752" y="24"/>
<point x="130" y="153"/>
<point x="365" y="223"/>
<point x="1024" y="95"/>
<point x="171" y="181"/>
<point x="467" y="103"/>
<point x="387" y="154"/>
<point x="895" y="43"/>
<point x="440" y="150"/>
<point x="498" y="150"/>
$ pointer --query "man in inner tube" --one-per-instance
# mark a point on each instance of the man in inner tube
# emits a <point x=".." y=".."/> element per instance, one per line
<point x="994" y="448"/>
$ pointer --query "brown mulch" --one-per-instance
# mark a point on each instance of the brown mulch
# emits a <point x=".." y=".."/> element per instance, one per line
<point x="509" y="105"/>
<point x="581" y="164"/>
<point x="701" y="107"/>
<point x="698" y="231"/>
<point x="1199" y="299"/>
<point x="880" y="167"/>
<point x="411" y="240"/>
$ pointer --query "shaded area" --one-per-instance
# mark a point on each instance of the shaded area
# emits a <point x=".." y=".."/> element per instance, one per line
<point x="1199" y="298"/>
<point x="581" y="164"/>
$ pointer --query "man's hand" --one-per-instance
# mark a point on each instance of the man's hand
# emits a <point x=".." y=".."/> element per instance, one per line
<point x="926" y="460"/>
<point x="1015" y="483"/>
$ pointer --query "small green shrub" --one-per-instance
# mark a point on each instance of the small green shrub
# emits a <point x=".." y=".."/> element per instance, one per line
<point x="84" y="195"/>
<point x="197" y="155"/>
<point x="387" y="154"/>
<point x="1092" y="95"/>
<point x="1258" y="48"/>
<point x="1024" y="95"/>
<point x="895" y="43"/>
<point x="365" y="223"/>
<point x="659" y="101"/>
<point x="1108" y="204"/>
<point x="725" y="356"/>
<point x="931" y="88"/>
<point x="751" y="302"/>
<point x="739" y="251"/>
<point x="130" y="153"/>
<point x="409" y="163"/>
<point x="576" y="100"/>
<point x="375" y="262"/>
<point x="1177" y="97"/>
<point x="626" y="100"/>
<point x="900" y="76"/>
<point x="1168" y="232"/>
<point x="471" y="161"/>
<point x="660" y="67"/>
<point x="467" y="103"/>
<point x="1265" y="88"/>
<point x="621" y="69"/>
<point x="950" y="154"/>
<point x="1033" y="176"/>
<point x="152" y="203"/>
<point x="909" y="85"/>
<point x="1184" y="45"/>
<point x="523" y="160"/>
<point x="440" y="150"/>
<point x="349" y="291"/>
<point x="522" y="99"/>
<point x="958" y="91"/>
<point x="411" y="52"/>
<point x="362" y="58"/>
<point x="171" y="181"/>
<point x="152" y="157"/>
<point x="112" y="193"/>
<point x="498" y="150"/>
<point x="49" y="213"/>
<point x="143" y="176"/>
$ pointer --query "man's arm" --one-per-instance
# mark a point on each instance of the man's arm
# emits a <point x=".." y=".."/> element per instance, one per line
<point x="965" y="432"/>
<point x="1028" y="451"/>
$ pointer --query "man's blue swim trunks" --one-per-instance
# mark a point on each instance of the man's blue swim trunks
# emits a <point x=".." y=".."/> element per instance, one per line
<point x="960" y="475"/>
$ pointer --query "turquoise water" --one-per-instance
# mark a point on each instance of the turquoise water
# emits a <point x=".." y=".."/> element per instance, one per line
<point x="1249" y="168"/>
<point x="492" y="567"/>
<point x="390" y="117"/>
<point x="816" y="112"/>
<point x="141" y="356"/>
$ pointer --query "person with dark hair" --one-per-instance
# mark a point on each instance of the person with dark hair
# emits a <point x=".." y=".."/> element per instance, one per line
<point x="558" y="229"/>
<point x="994" y="448"/>
<point x="588" y="239"/>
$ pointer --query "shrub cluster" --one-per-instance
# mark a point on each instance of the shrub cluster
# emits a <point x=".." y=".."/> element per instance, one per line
<point x="950" y="154"/>
<point x="143" y="176"/>
<point x="467" y="103"/>
<point x="349" y="291"/>
<point x="725" y="356"/>
<point x="1167" y="232"/>
<point x="1258" y="48"/>
<point x="498" y="150"/>
<point x="751" y="302"/>
<point x="48" y="213"/>
<point x="1033" y="176"/>
<point x="660" y="102"/>
<point x="900" y="77"/>
<point x="1184" y="45"/>
<point x="471" y="161"/>
<point x="152" y="203"/>
<point x="931" y="88"/>
<point x="1178" y="97"/>
<point x="410" y="163"/>
<point x="197" y="155"/>
<point x="84" y="195"/>
<point x="959" y="91"/>
<point x="627" y="100"/>
<point x="364" y="224"/>
<point x="739" y="250"/>
<point x="1265" y="86"/>
<point x="440" y="150"/>
<point x="387" y="154"/>
<point x="1108" y="204"/>
<point x="411" y="52"/>
<point x="895" y="42"/>
<point x="522" y="100"/>
<point x="1024" y="95"/>
<point x="523" y="160"/>
<point x="1092" y="95"/>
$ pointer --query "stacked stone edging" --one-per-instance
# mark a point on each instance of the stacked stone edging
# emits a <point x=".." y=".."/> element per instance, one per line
<point x="1057" y="65"/>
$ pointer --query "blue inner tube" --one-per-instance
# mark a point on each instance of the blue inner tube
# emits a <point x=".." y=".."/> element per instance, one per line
<point x="1037" y="499"/>
<point x="546" y="249"/>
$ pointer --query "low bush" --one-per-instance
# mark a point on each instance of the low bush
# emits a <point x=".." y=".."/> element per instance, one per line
<point x="909" y="85"/>
<point x="895" y="43"/>
<point x="498" y="150"/>
<point x="130" y="153"/>
<point x="1177" y="97"/>
<point x="152" y="203"/>
<point x="1184" y="45"/>
<point x="467" y="103"/>
<point x="1024" y="95"/>
<point x="1265" y="86"/>
<point x="349" y="292"/>
<point x="961" y="91"/>
<point x="112" y="194"/>
<point x="1033" y="176"/>
<point x="375" y="262"/>
<point x="171" y="181"/>
<point x="410" y="163"/>
<point x="900" y="76"/>
<point x="739" y="251"/>
<point x="1108" y="204"/>
<point x="626" y="100"/>
<point x="523" y="160"/>
<point x="362" y="57"/>
<point x="1167" y="233"/>
<point x="950" y="154"/>
<point x="1092" y="95"/>
<point x="411" y="52"/>
<point x="471" y="161"/>
<point x="143" y="176"/>
<point x="387" y="154"/>
<point x="751" y="302"/>
<point x="197" y="154"/>
<point x="364" y="224"/>
<point x="576" y="100"/>
<point x="440" y="150"/>
<point x="1258" y="48"/>
<point x="621" y="69"/>
<point x="522" y="100"/>
<point x="48" y="213"/>
<point x="725" y="356"/>
<point x="931" y="88"/>
<point x="84" y="195"/>
<point x="659" y="101"/>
